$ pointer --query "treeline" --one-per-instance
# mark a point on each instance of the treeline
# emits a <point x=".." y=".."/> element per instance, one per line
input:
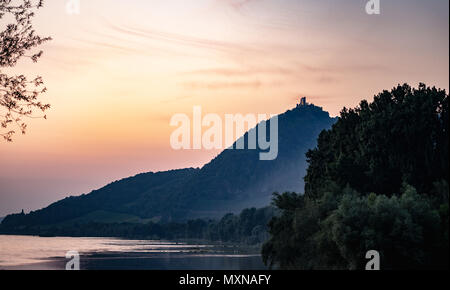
<point x="249" y="227"/>
<point x="378" y="180"/>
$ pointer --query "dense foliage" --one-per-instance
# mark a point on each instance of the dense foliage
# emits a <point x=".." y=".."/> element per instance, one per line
<point x="401" y="136"/>
<point x="378" y="180"/>
<point x="249" y="227"/>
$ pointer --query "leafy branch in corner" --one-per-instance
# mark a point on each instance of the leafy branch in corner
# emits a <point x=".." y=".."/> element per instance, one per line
<point x="19" y="96"/>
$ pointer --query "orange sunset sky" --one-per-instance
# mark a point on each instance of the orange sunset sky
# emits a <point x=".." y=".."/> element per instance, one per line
<point x="119" y="70"/>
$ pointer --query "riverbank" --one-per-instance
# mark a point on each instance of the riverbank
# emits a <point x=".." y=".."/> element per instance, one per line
<point x="49" y="253"/>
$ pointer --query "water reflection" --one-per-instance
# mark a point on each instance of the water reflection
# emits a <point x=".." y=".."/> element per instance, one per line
<point x="28" y="252"/>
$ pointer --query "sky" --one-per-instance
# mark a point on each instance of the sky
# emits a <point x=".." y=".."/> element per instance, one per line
<point x="120" y="69"/>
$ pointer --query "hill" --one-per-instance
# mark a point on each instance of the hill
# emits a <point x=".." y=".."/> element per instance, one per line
<point x="234" y="180"/>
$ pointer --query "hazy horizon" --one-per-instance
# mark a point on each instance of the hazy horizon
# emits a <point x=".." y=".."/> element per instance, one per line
<point x="118" y="71"/>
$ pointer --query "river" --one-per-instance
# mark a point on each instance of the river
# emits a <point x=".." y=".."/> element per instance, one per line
<point x="49" y="253"/>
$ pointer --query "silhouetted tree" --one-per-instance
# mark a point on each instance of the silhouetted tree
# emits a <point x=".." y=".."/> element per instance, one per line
<point x="378" y="179"/>
<point x="19" y="96"/>
<point x="401" y="136"/>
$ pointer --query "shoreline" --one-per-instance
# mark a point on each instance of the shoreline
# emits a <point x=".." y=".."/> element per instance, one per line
<point x="44" y="253"/>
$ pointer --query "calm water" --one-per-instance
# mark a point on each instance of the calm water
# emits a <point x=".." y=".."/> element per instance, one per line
<point x="35" y="253"/>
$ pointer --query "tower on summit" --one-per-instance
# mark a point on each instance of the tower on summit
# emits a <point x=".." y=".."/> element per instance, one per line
<point x="302" y="102"/>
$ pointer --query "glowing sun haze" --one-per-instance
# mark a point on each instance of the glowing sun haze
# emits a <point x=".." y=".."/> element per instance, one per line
<point x="117" y="72"/>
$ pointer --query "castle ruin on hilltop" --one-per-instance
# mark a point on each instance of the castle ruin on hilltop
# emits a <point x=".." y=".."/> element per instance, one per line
<point x="303" y="102"/>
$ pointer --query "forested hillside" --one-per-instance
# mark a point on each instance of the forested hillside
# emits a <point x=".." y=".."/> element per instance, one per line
<point x="234" y="180"/>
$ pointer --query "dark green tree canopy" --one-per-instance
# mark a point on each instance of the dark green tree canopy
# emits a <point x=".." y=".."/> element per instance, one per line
<point x="377" y="180"/>
<point x="401" y="136"/>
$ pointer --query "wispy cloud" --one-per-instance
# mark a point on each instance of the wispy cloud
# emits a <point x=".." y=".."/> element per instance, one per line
<point x="252" y="71"/>
<point x="340" y="68"/>
<point x="224" y="85"/>
<point x="181" y="39"/>
<point x="237" y="4"/>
